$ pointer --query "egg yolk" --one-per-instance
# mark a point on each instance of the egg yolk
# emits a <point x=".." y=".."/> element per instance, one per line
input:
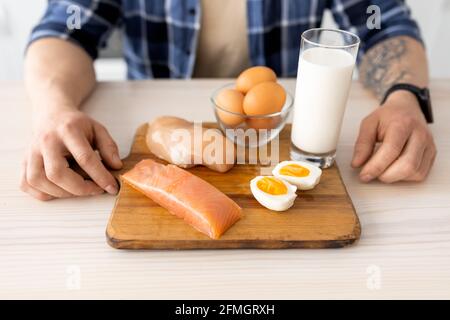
<point x="294" y="170"/>
<point x="272" y="186"/>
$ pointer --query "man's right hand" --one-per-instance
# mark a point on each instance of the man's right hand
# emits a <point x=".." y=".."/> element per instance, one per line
<point x="46" y="174"/>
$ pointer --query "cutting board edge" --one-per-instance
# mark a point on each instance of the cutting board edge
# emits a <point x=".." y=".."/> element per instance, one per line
<point x="119" y="243"/>
<point x="357" y="229"/>
<point x="226" y="244"/>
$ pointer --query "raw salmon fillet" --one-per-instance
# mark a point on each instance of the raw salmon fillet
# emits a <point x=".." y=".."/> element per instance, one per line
<point x="186" y="196"/>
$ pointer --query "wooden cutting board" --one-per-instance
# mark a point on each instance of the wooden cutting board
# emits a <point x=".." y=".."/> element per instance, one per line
<point x="320" y="218"/>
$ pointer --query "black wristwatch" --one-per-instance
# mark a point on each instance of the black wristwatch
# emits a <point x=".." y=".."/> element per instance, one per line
<point x="422" y="95"/>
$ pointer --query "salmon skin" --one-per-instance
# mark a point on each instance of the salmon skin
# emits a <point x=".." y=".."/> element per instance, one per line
<point x="185" y="195"/>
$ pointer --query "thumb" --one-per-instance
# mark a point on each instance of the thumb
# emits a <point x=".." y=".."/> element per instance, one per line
<point x="365" y="142"/>
<point x="107" y="147"/>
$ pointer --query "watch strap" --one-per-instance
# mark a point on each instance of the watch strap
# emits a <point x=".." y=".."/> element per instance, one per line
<point x="422" y="95"/>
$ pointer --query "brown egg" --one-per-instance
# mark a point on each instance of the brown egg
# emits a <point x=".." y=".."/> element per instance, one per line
<point x="264" y="98"/>
<point x="263" y="123"/>
<point x="230" y="100"/>
<point x="253" y="76"/>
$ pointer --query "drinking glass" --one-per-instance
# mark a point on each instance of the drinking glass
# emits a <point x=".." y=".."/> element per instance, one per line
<point x="326" y="62"/>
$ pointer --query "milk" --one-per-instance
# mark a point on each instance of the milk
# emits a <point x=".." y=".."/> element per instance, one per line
<point x="323" y="82"/>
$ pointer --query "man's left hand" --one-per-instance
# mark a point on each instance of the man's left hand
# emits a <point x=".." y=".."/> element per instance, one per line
<point x="407" y="150"/>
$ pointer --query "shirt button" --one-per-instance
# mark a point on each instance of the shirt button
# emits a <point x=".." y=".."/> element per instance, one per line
<point x="192" y="11"/>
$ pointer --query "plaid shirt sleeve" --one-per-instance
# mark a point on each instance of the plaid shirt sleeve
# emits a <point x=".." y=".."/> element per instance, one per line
<point x="97" y="19"/>
<point x="395" y="20"/>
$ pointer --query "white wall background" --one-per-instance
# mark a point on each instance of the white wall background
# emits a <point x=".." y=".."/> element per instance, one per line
<point x="18" y="16"/>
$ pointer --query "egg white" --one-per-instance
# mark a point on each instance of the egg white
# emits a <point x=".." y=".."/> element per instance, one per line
<point x="303" y="183"/>
<point x="280" y="202"/>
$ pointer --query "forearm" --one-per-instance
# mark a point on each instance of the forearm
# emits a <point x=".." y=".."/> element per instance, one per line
<point x="396" y="60"/>
<point x="58" y="75"/>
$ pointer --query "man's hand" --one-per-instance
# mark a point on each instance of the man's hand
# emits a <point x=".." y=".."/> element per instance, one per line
<point x="407" y="149"/>
<point x="46" y="174"/>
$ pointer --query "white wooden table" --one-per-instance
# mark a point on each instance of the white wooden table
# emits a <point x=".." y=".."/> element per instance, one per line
<point x="57" y="249"/>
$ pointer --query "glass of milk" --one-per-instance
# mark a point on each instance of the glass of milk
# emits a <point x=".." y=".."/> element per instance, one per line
<point x="326" y="62"/>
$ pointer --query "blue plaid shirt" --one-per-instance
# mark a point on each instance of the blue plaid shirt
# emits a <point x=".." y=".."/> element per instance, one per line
<point x="160" y="36"/>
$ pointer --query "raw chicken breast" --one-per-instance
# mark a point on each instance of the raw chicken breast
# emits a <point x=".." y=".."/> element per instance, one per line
<point x="179" y="142"/>
<point x="186" y="196"/>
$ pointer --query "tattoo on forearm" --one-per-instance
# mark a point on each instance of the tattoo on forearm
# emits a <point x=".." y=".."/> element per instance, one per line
<point x="381" y="66"/>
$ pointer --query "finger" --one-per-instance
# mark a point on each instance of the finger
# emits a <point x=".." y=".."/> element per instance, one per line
<point x="25" y="187"/>
<point x="37" y="179"/>
<point x="365" y="142"/>
<point x="425" y="166"/>
<point x="391" y="147"/>
<point x="409" y="161"/>
<point x="107" y="147"/>
<point x="88" y="160"/>
<point x="57" y="171"/>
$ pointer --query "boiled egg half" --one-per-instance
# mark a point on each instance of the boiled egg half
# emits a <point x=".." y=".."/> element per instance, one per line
<point x="302" y="174"/>
<point x="273" y="193"/>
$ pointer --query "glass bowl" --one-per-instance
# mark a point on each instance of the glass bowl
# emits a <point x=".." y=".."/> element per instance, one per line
<point x="250" y="131"/>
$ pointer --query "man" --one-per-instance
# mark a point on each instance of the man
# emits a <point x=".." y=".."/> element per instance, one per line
<point x="214" y="38"/>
